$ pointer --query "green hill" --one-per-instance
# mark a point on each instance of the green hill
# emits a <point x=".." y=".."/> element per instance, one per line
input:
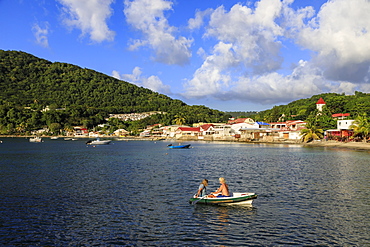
<point x="356" y="104"/>
<point x="28" y="84"/>
<point x="80" y="96"/>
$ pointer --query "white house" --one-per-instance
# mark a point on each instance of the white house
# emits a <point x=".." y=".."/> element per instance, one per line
<point x="344" y="124"/>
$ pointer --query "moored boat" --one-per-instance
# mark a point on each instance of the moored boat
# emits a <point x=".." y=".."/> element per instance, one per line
<point x="234" y="199"/>
<point x="179" y="146"/>
<point x="36" y="139"/>
<point x="98" y="142"/>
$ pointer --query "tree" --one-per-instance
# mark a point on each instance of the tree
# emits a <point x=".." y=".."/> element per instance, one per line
<point x="361" y="127"/>
<point x="311" y="132"/>
<point x="179" y="120"/>
<point x="55" y="127"/>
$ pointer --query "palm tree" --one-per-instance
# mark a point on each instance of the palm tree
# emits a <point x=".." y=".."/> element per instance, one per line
<point x="311" y="133"/>
<point x="180" y="120"/>
<point x="361" y="127"/>
<point x="68" y="129"/>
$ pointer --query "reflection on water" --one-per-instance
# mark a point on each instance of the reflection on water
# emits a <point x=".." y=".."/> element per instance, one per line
<point x="61" y="193"/>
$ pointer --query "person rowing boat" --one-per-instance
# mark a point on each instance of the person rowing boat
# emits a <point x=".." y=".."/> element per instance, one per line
<point x="222" y="191"/>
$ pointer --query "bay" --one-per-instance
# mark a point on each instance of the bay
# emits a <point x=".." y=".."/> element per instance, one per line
<point x="135" y="193"/>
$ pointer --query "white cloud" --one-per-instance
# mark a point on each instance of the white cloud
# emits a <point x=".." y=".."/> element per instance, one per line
<point x="340" y="35"/>
<point x="152" y="82"/>
<point x="253" y="34"/>
<point x="245" y="64"/>
<point x="247" y="43"/>
<point x="271" y="88"/>
<point x="41" y="34"/>
<point x="197" y="22"/>
<point x="147" y="16"/>
<point x="90" y="17"/>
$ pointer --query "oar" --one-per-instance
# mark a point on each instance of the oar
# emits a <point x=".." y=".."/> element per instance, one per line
<point x="194" y="202"/>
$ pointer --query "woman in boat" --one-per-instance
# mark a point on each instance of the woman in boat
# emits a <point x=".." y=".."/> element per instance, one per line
<point x="202" y="188"/>
<point x="223" y="191"/>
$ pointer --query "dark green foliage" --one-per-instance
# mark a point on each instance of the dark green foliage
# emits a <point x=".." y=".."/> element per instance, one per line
<point x="303" y="108"/>
<point x="77" y="96"/>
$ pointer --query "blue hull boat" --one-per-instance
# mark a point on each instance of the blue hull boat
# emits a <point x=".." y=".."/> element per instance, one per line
<point x="179" y="146"/>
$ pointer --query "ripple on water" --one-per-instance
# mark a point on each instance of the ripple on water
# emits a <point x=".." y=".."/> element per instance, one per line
<point x="136" y="193"/>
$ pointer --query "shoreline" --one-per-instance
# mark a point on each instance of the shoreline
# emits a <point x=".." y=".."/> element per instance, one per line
<point x="359" y="146"/>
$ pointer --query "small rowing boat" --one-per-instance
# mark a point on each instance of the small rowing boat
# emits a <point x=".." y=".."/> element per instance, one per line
<point x="179" y="146"/>
<point x="234" y="199"/>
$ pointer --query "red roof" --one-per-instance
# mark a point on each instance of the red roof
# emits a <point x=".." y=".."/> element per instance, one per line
<point x="197" y="129"/>
<point x="238" y="120"/>
<point x="206" y="126"/>
<point x="321" y="102"/>
<point x="341" y="115"/>
<point x="294" y="122"/>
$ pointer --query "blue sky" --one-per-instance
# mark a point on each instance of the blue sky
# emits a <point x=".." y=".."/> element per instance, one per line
<point x="224" y="54"/>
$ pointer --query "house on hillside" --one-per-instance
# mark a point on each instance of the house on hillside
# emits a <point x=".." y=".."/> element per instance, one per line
<point x="170" y="130"/>
<point x="262" y="125"/>
<point x="340" y="116"/>
<point x="235" y="128"/>
<point x="343" y="131"/>
<point x="320" y="104"/>
<point x="295" y="124"/>
<point x="241" y="120"/>
<point x="289" y="130"/>
<point x="80" y="131"/>
<point x="222" y="130"/>
<point x="277" y="125"/>
<point x="254" y="134"/>
<point x="207" y="129"/>
<point x="188" y="132"/>
<point x="121" y="132"/>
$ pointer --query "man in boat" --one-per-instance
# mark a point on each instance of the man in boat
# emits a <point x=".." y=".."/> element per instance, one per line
<point x="202" y="188"/>
<point x="223" y="191"/>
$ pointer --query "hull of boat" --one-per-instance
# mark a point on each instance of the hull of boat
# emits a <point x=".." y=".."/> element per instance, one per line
<point x="236" y="199"/>
<point x="181" y="146"/>
<point x="36" y="139"/>
<point x="104" y="142"/>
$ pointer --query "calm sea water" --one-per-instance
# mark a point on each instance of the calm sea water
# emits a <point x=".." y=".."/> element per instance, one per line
<point x="64" y="193"/>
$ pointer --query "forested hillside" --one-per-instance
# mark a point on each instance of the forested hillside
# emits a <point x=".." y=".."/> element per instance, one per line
<point x="28" y="84"/>
<point x="77" y="96"/>
<point x="357" y="104"/>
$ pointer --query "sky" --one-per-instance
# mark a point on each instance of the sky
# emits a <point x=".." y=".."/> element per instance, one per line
<point x="224" y="54"/>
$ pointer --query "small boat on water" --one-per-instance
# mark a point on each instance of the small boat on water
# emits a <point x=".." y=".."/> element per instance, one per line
<point x="54" y="138"/>
<point x="179" y="146"/>
<point x="70" y="139"/>
<point x="98" y="142"/>
<point x="234" y="199"/>
<point x="36" y="139"/>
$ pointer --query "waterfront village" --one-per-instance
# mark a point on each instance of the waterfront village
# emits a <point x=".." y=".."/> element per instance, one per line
<point x="240" y="129"/>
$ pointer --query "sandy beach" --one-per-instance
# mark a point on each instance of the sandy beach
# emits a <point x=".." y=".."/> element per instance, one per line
<point x="343" y="145"/>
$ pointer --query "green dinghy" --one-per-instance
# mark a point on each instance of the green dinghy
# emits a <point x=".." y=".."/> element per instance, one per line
<point x="235" y="199"/>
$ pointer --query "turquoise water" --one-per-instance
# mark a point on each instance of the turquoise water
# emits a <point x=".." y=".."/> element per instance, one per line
<point x="64" y="193"/>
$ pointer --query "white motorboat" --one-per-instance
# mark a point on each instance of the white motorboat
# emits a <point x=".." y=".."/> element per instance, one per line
<point x="98" y="142"/>
<point x="36" y="139"/>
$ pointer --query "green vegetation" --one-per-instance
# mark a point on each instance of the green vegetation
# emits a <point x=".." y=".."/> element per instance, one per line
<point x="36" y="93"/>
<point x="312" y="132"/>
<point x="77" y="96"/>
<point x="361" y="127"/>
<point x="357" y="105"/>
<point x="302" y="109"/>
